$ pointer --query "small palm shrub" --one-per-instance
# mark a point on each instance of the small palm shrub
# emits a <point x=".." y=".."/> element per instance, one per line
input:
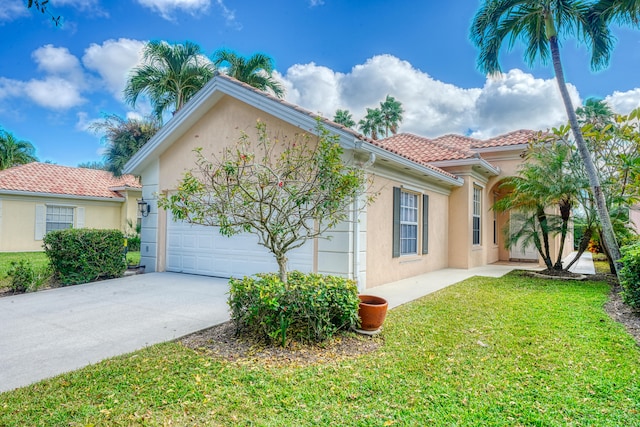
<point x="25" y="277"/>
<point x="308" y="308"/>
<point x="85" y="255"/>
<point x="630" y="275"/>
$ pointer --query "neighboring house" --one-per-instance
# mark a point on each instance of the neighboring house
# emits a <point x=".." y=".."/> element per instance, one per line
<point x="432" y="208"/>
<point x="39" y="197"/>
<point x="634" y="218"/>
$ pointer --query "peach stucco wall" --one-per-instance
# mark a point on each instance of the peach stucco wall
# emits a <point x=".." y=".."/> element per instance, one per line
<point x="382" y="267"/>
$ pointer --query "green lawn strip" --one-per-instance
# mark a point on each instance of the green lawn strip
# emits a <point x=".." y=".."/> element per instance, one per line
<point x="38" y="260"/>
<point x="498" y="352"/>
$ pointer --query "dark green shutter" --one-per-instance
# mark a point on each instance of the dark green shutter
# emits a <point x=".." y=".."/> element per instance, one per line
<point x="396" y="222"/>
<point x="425" y="224"/>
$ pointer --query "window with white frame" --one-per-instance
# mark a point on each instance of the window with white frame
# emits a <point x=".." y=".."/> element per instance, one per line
<point x="59" y="217"/>
<point x="477" y="214"/>
<point x="408" y="223"/>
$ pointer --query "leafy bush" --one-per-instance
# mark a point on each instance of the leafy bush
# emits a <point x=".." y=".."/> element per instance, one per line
<point x="630" y="275"/>
<point x="85" y="255"/>
<point x="309" y="307"/>
<point x="133" y="242"/>
<point x="25" y="277"/>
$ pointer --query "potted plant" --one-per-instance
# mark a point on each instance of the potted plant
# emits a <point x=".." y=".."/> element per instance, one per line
<point x="372" y="311"/>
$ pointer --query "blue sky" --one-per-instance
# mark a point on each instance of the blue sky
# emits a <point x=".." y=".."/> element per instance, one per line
<point x="54" y="82"/>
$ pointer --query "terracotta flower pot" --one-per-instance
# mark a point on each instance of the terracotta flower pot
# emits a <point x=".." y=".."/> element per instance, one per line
<point x="372" y="312"/>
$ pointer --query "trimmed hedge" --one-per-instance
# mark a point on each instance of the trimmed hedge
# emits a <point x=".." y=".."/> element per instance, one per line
<point x="309" y="308"/>
<point x="630" y="275"/>
<point x="85" y="255"/>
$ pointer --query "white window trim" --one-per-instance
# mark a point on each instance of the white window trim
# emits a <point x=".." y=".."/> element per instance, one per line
<point x="415" y="223"/>
<point x="476" y="213"/>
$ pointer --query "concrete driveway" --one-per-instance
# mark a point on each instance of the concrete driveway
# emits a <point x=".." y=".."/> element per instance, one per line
<point x="47" y="333"/>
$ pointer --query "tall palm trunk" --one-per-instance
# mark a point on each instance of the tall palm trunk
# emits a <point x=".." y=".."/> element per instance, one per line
<point x="565" y="214"/>
<point x="594" y="181"/>
<point x="542" y="220"/>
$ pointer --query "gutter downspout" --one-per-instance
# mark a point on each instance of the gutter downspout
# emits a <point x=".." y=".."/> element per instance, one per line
<point x="356" y="231"/>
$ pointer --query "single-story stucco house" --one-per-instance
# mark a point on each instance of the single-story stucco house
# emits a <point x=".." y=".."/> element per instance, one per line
<point x="432" y="208"/>
<point x="38" y="197"/>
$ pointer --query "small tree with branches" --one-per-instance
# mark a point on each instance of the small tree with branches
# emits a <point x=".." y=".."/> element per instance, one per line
<point x="287" y="191"/>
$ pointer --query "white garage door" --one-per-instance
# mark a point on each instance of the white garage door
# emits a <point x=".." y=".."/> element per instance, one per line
<point x="198" y="249"/>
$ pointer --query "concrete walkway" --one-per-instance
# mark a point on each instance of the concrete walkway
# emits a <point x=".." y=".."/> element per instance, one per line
<point x="404" y="291"/>
<point x="583" y="266"/>
<point x="47" y="333"/>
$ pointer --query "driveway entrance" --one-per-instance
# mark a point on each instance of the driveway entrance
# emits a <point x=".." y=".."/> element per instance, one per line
<point x="47" y="333"/>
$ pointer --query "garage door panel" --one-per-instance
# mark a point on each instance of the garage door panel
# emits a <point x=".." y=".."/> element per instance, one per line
<point x="197" y="249"/>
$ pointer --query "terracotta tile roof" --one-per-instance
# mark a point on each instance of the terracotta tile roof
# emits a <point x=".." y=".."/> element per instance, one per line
<point x="449" y="147"/>
<point x="63" y="180"/>
<point x="517" y="137"/>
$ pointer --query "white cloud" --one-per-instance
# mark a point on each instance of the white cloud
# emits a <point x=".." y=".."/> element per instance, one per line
<point x="517" y="100"/>
<point x="54" y="92"/>
<point x="11" y="10"/>
<point x="229" y="15"/>
<point x="166" y="8"/>
<point x="58" y="61"/>
<point x="113" y="60"/>
<point x="314" y="3"/>
<point x="624" y="102"/>
<point x="432" y="108"/>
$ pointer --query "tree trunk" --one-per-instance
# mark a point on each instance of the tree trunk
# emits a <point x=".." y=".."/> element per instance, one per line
<point x="612" y="266"/>
<point x="542" y="220"/>
<point x="565" y="213"/>
<point x="594" y="181"/>
<point x="282" y="267"/>
<point x="584" y="244"/>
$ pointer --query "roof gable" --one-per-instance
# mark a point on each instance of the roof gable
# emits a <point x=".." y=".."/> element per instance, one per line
<point x="222" y="85"/>
<point x="45" y="178"/>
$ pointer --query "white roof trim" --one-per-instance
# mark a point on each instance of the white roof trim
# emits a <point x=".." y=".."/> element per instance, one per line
<point x="465" y="162"/>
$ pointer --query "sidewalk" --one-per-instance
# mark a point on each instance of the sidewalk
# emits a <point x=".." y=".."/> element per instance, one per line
<point x="583" y="266"/>
<point x="404" y="291"/>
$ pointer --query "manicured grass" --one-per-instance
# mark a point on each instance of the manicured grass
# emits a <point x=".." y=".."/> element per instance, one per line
<point x="133" y="258"/>
<point x="602" y="266"/>
<point x="514" y="351"/>
<point x="37" y="259"/>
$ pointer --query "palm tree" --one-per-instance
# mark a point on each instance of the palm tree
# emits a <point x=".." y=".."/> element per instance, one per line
<point x="595" y="112"/>
<point x="256" y="71"/>
<point x="344" y="118"/>
<point x="391" y="114"/>
<point x="539" y="24"/>
<point x="14" y="152"/>
<point x="372" y="124"/>
<point x="623" y="11"/>
<point x="170" y="76"/>
<point x="123" y="138"/>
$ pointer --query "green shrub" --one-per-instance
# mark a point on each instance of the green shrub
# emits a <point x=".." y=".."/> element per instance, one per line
<point x="630" y="275"/>
<point x="133" y="242"/>
<point x="85" y="255"/>
<point x="25" y="277"/>
<point x="309" y="308"/>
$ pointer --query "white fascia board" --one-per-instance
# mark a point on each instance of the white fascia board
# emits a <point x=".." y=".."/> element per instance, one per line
<point x="518" y="147"/>
<point x="61" y="196"/>
<point x="468" y="162"/>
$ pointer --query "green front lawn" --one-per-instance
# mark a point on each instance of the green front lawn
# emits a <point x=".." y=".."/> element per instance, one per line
<point x="513" y="351"/>
<point x="37" y="259"/>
